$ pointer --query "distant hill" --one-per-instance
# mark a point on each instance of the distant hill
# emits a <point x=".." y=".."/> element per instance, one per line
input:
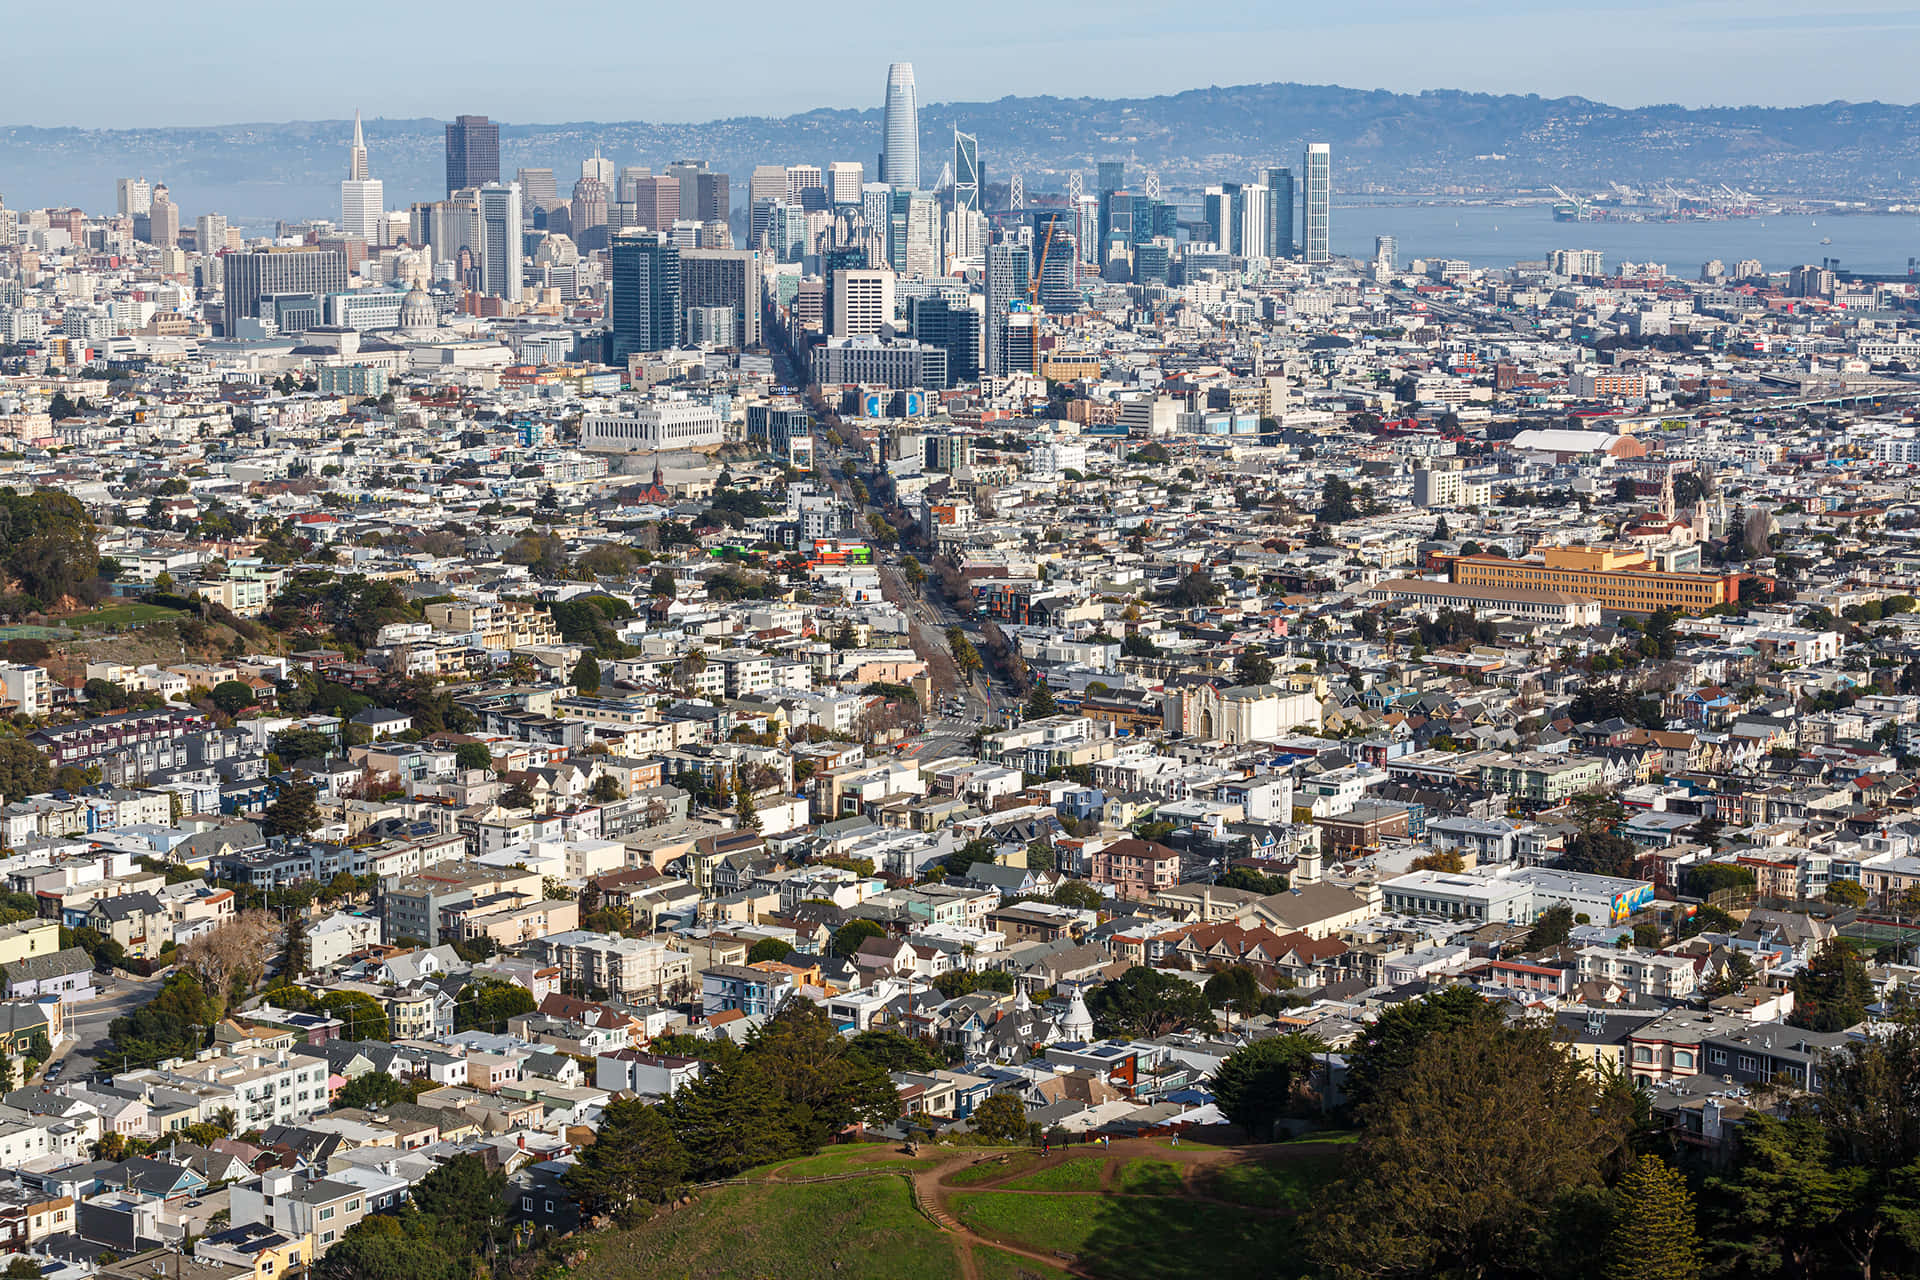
<point x="1382" y="141"/>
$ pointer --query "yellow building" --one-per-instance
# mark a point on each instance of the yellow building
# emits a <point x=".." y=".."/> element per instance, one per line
<point x="1622" y="580"/>
<point x="28" y="938"/>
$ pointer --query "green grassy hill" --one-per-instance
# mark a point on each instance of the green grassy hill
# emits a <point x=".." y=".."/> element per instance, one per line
<point x="1140" y="1210"/>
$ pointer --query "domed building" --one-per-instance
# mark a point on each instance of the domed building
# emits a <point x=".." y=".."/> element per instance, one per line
<point x="418" y="312"/>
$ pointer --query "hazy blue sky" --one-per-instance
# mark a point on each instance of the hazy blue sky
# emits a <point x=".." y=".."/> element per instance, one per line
<point x="217" y="61"/>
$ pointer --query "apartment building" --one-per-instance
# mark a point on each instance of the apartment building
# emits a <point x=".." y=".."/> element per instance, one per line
<point x="625" y="968"/>
<point x="505" y="625"/>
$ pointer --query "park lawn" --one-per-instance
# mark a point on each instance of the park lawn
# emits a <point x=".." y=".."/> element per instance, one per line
<point x="859" y="1229"/>
<point x="1286" y="1184"/>
<point x="1136" y="1237"/>
<point x="1328" y="1137"/>
<point x="998" y="1264"/>
<point x="990" y="1170"/>
<point x="858" y="1158"/>
<point x="1147" y="1177"/>
<point x="121" y="615"/>
<point x="1079" y="1174"/>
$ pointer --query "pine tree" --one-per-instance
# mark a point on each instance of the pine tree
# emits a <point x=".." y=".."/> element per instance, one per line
<point x="586" y="675"/>
<point x="1653" y="1237"/>
<point x="744" y="816"/>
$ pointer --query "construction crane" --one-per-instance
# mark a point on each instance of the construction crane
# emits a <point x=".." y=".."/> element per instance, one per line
<point x="1033" y="290"/>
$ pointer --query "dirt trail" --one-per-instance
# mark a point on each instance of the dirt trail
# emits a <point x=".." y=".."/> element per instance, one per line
<point x="935" y="1195"/>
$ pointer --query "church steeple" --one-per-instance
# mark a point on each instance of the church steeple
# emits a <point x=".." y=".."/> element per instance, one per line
<point x="1666" y="496"/>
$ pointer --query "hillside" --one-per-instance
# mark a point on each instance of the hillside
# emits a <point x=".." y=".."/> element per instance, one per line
<point x="1140" y="1209"/>
<point x="1381" y="140"/>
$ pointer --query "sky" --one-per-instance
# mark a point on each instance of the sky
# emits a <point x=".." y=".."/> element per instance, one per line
<point x="223" y="62"/>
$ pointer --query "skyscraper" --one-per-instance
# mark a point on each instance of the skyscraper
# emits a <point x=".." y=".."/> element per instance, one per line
<point x="1113" y="175"/>
<point x="729" y="278"/>
<point x="473" y="152"/>
<point x="656" y="202"/>
<point x="643" y="294"/>
<point x="536" y="185"/>
<point x="1009" y="269"/>
<point x="362" y="197"/>
<point x="599" y="168"/>
<point x="134" y="196"/>
<point x="499" y="255"/>
<point x="844" y="180"/>
<point x="1053" y="241"/>
<point x="1279" y="213"/>
<point x="966" y="172"/>
<point x="900" y="161"/>
<point x="1318" y="202"/>
<point x="163" y="221"/>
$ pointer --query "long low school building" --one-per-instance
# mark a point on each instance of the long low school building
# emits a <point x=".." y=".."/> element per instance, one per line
<point x="1519" y="602"/>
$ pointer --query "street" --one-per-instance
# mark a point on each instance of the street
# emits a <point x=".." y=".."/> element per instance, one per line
<point x="86" y="1025"/>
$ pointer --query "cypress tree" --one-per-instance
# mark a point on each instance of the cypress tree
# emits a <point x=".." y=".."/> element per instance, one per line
<point x="1654" y="1236"/>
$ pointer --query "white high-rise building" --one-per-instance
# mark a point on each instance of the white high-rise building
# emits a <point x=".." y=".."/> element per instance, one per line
<point x="801" y="178"/>
<point x="862" y="303"/>
<point x="599" y="169"/>
<point x="845" y="178"/>
<point x="900" y="161"/>
<point x="499" y="254"/>
<point x="210" y="233"/>
<point x="362" y="198"/>
<point x="134" y="195"/>
<point x="1317" y="202"/>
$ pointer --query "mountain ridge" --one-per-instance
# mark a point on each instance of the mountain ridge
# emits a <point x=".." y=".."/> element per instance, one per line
<point x="1427" y="140"/>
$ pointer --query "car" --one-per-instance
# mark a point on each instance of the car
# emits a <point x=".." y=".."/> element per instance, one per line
<point x="193" y="1204"/>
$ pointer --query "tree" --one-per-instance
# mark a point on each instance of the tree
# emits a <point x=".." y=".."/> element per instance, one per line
<point x="1551" y="928"/>
<point x="1256" y="1085"/>
<point x="1845" y="893"/>
<point x="1336" y="501"/>
<point x="1252" y="881"/>
<point x="769" y="949"/>
<point x="911" y="570"/>
<point x="828" y="1086"/>
<point x="663" y="586"/>
<point x="1253" y="666"/>
<point x="1441" y="533"/>
<point x="848" y="937"/>
<point x="892" y="1051"/>
<point x="744" y="816"/>
<point x="605" y="789"/>
<point x="1040" y="702"/>
<point x="517" y="796"/>
<point x="586" y="675"/>
<point x="1446" y="860"/>
<point x="1391" y="1044"/>
<point x="473" y="755"/>
<point x="732" y="1118"/>
<point x="295" y="813"/>
<point x="371" y="1091"/>
<point x="1704" y="879"/>
<point x="233" y="954"/>
<point x="1235" y="989"/>
<point x="24" y="770"/>
<point x="1653" y="1236"/>
<point x="1733" y="974"/>
<point x="361" y="1015"/>
<point x="635" y="1156"/>
<point x="1148" y="1002"/>
<point x="1464" y="1155"/>
<point x="1000" y="1117"/>
<point x="231" y="696"/>
<point x="1833" y="991"/>
<point x="487" y="1005"/>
